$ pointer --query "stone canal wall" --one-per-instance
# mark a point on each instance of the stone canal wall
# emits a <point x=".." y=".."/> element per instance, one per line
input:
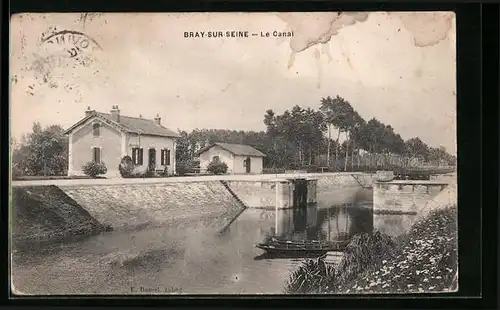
<point x="255" y="194"/>
<point x="128" y="205"/>
<point x="339" y="180"/>
<point x="43" y="214"/>
<point x="446" y="198"/>
<point x="397" y="224"/>
<point x="404" y="196"/>
<point x="262" y="194"/>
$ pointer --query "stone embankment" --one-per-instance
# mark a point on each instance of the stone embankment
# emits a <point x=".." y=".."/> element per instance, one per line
<point x="42" y="214"/>
<point x="128" y="205"/>
<point x="51" y="213"/>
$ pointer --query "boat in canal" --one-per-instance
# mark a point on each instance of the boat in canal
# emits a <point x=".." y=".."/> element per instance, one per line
<point x="287" y="247"/>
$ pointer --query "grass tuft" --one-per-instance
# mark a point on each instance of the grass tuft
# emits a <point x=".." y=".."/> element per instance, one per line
<point x="313" y="276"/>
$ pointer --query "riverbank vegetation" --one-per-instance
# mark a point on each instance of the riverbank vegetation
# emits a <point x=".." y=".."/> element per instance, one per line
<point x="423" y="260"/>
<point x="333" y="137"/>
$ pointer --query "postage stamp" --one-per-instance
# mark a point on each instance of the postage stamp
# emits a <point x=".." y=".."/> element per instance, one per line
<point x="235" y="153"/>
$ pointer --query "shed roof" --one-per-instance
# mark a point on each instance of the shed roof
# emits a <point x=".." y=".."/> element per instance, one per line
<point x="235" y="149"/>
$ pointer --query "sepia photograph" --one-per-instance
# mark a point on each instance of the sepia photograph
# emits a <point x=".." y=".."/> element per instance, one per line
<point x="233" y="153"/>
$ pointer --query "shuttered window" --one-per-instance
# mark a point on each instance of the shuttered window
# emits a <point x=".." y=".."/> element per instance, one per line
<point x="96" y="155"/>
<point x="165" y="157"/>
<point x="137" y="156"/>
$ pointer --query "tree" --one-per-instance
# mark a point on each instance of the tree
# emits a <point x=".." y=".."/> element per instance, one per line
<point x="351" y="125"/>
<point x="338" y="113"/>
<point x="43" y="151"/>
<point x="356" y="135"/>
<point x="294" y="137"/>
<point x="415" y="148"/>
<point x="270" y="122"/>
<point x="183" y="147"/>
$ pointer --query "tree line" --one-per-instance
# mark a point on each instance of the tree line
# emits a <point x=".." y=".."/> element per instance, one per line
<point x="298" y="138"/>
<point x="304" y="138"/>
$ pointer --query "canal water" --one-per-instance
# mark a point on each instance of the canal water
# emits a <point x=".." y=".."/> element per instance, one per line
<point x="194" y="259"/>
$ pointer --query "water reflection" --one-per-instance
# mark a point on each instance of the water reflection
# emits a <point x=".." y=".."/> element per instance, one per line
<point x="393" y="224"/>
<point x="315" y="222"/>
<point x="337" y="221"/>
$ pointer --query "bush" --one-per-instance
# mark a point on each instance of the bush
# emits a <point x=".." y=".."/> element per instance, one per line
<point x="364" y="251"/>
<point x="126" y="167"/>
<point x="93" y="169"/>
<point x="312" y="276"/>
<point x="186" y="166"/>
<point x="217" y="167"/>
<point x="182" y="168"/>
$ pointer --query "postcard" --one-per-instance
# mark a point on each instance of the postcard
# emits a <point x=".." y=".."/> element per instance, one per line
<point x="233" y="153"/>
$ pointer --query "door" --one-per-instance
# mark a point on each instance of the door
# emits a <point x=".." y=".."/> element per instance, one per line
<point x="247" y="165"/>
<point x="152" y="160"/>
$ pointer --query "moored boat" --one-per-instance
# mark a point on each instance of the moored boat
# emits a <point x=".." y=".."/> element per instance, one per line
<point x="311" y="246"/>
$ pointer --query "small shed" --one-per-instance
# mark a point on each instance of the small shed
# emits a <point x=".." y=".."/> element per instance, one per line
<point x="240" y="158"/>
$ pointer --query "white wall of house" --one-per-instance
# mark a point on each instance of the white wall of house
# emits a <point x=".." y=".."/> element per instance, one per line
<point x="224" y="156"/>
<point x="113" y="145"/>
<point x="235" y="163"/>
<point x="147" y="142"/>
<point x="82" y="142"/>
<point x="240" y="167"/>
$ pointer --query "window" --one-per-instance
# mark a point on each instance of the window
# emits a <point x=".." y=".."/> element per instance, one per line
<point x="96" y="129"/>
<point x="165" y="157"/>
<point x="96" y="155"/>
<point x="137" y="157"/>
<point x="216" y="159"/>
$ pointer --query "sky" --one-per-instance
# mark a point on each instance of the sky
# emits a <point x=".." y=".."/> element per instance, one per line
<point x="397" y="67"/>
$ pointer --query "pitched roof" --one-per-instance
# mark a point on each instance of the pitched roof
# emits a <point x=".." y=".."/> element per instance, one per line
<point x="132" y="125"/>
<point x="236" y="149"/>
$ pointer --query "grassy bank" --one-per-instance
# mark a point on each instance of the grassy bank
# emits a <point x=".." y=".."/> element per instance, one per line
<point x="423" y="260"/>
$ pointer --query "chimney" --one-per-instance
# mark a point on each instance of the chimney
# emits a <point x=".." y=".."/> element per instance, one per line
<point x="115" y="113"/>
<point x="158" y="119"/>
<point x="88" y="111"/>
